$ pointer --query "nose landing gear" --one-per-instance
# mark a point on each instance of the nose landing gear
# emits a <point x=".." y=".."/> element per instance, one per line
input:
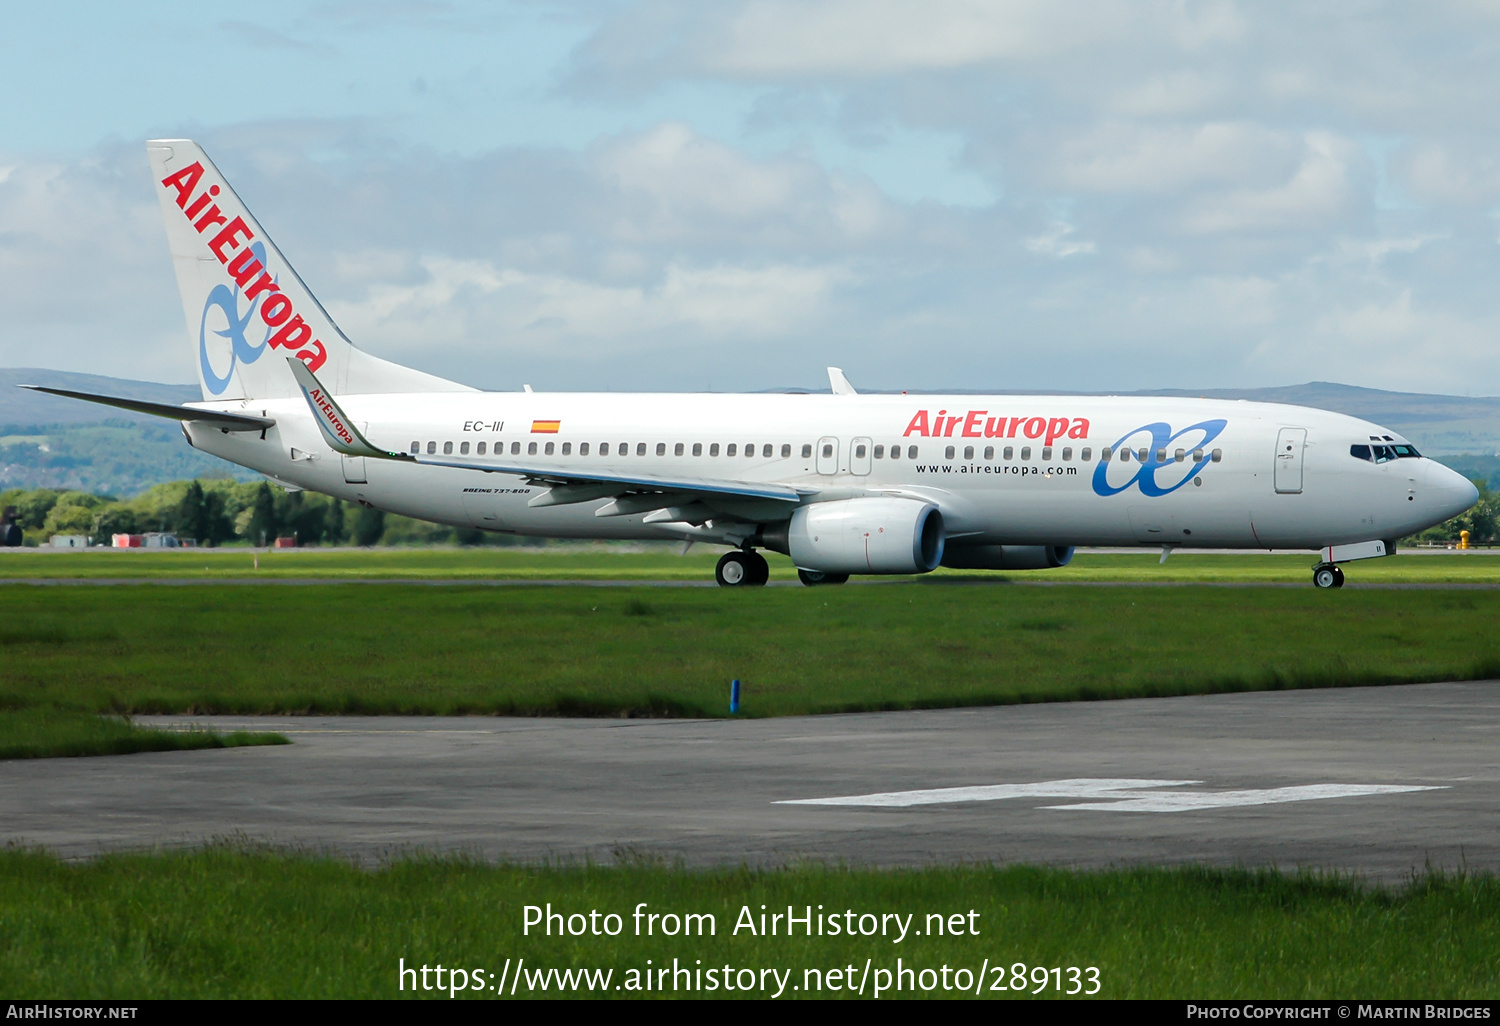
<point x="1328" y="575"/>
<point x="742" y="568"/>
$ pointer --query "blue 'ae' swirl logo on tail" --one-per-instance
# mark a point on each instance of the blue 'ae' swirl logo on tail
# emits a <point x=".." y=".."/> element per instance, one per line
<point x="227" y="301"/>
<point x="1146" y="470"/>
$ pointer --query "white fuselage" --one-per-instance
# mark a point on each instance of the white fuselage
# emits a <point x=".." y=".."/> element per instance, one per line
<point x="1216" y="474"/>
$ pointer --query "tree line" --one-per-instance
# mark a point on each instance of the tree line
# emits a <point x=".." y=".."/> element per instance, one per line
<point x="221" y="511"/>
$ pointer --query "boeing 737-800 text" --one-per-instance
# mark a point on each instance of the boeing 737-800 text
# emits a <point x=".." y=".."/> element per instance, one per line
<point x="842" y="483"/>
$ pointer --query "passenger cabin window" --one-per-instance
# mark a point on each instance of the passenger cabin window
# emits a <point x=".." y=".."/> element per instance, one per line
<point x="416" y="447"/>
<point x="623" y="448"/>
<point x="432" y="448"/>
<point x="1046" y="452"/>
<point x="1087" y="454"/>
<point x="548" y="449"/>
<point x="713" y="450"/>
<point x="447" y="448"/>
<point x="732" y="449"/>
<point x="895" y="452"/>
<point x="515" y="448"/>
<point x="766" y="452"/>
<point x="1161" y="455"/>
<point x="583" y="448"/>
<point x="1009" y="453"/>
<point x="859" y="452"/>
<point x="948" y="453"/>
<point x="750" y="451"/>
<point x="531" y="449"/>
<point x="567" y="449"/>
<point x="697" y="448"/>
<point x="807" y="452"/>
<point x="879" y="452"/>
<point x="677" y="450"/>
<point x="1197" y="455"/>
<point x="1067" y="453"/>
<point x="786" y="451"/>
<point x="1104" y="454"/>
<point x="463" y="448"/>
<point x="1216" y="455"/>
<point x="989" y="452"/>
<point x="1140" y="454"/>
<point x="968" y="452"/>
<point x="827" y="451"/>
<point x="1025" y="452"/>
<point x="1124" y="455"/>
<point x="911" y="452"/>
<point x="480" y="448"/>
<point x="603" y="448"/>
<point x="640" y="448"/>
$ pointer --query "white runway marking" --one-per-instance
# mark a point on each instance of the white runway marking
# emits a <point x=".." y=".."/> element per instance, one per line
<point x="1115" y="795"/>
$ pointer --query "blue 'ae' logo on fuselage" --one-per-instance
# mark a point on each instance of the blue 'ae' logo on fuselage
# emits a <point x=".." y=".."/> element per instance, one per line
<point x="227" y="301"/>
<point x="1160" y="459"/>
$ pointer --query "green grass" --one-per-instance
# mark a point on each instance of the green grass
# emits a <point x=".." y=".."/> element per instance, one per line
<point x="604" y="562"/>
<point x="228" y="923"/>
<point x="390" y="648"/>
<point x="47" y="733"/>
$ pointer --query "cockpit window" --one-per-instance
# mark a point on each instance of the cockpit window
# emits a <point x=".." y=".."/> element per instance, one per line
<point x="1406" y="452"/>
<point x="1359" y="452"/>
<point x="1383" y="453"/>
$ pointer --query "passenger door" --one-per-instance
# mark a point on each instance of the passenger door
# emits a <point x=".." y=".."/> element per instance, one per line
<point x="828" y="455"/>
<point x="859" y="456"/>
<point x="1289" y="445"/>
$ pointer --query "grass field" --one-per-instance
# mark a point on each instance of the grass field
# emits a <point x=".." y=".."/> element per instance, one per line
<point x="231" y="923"/>
<point x="662" y="563"/>
<point x="38" y="733"/>
<point x="391" y="648"/>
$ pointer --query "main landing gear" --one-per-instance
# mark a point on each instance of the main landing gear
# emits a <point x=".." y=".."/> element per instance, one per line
<point x="1327" y="575"/>
<point x="742" y="568"/>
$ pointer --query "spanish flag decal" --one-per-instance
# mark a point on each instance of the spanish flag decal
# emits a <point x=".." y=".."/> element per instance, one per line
<point x="545" y="427"/>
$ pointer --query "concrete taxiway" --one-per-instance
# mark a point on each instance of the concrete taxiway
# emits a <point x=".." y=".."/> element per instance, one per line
<point x="1380" y="781"/>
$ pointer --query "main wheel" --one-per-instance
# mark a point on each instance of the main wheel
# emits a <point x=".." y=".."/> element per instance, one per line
<point x="815" y="577"/>
<point x="735" y="570"/>
<point x="1338" y="577"/>
<point x="1326" y="577"/>
<point x="760" y="570"/>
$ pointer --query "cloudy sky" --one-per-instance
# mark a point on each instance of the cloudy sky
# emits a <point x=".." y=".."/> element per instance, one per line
<point x="679" y="195"/>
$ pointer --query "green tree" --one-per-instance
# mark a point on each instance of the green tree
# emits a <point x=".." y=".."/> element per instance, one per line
<point x="369" y="525"/>
<point x="261" y="529"/>
<point x="334" y="530"/>
<point x="192" y="516"/>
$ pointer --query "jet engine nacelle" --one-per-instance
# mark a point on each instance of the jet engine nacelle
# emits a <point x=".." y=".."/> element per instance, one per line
<point x="867" y="536"/>
<point x="1007" y="557"/>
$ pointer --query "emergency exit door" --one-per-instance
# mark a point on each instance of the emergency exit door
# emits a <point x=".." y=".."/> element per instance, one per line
<point x="1289" y="445"/>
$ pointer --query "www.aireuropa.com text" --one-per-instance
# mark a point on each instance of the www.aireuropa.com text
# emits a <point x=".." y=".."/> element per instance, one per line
<point x="516" y="978"/>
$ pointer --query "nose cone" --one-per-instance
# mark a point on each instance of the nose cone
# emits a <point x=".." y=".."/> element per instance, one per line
<point x="1450" y="492"/>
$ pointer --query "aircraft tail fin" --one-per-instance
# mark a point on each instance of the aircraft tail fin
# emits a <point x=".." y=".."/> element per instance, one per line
<point x="242" y="298"/>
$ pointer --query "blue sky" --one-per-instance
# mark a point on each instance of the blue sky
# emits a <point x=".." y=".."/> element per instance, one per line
<point x="675" y="195"/>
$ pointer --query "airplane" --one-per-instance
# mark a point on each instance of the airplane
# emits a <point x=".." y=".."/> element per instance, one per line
<point x="844" y="484"/>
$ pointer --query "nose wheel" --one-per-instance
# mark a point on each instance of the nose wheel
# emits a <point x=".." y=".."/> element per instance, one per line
<point x="743" y="568"/>
<point x="1327" y="575"/>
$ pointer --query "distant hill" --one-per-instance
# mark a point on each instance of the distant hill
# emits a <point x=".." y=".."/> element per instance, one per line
<point x="63" y="443"/>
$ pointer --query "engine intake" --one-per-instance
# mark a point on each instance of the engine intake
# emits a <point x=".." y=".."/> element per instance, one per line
<point x="867" y="536"/>
<point x="1007" y="557"/>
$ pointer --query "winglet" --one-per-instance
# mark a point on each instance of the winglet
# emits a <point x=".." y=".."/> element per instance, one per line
<point x="338" y="430"/>
<point x="839" y="383"/>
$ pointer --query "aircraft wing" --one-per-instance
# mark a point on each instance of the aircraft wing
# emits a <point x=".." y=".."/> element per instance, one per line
<point x="217" y="418"/>
<point x="567" y="484"/>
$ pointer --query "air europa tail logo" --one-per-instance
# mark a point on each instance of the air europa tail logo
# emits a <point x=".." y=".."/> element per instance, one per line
<point x="285" y="328"/>
<point x="979" y="424"/>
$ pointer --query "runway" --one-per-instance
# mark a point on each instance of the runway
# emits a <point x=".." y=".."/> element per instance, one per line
<point x="1379" y="781"/>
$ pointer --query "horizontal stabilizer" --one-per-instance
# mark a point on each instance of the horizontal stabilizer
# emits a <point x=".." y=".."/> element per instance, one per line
<point x="216" y="418"/>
